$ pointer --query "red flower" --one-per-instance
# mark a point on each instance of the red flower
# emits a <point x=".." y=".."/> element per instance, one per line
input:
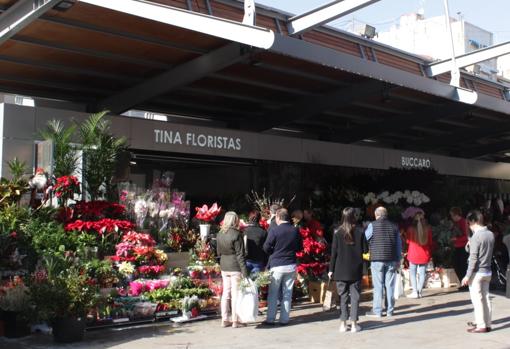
<point x="13" y="235"/>
<point x="207" y="214"/>
<point x="264" y="224"/>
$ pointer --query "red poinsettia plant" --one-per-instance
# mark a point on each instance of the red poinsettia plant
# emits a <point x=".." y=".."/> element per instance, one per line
<point x="206" y="214"/>
<point x="102" y="227"/>
<point x="313" y="258"/>
<point x="65" y="188"/>
<point x="139" y="249"/>
<point x="95" y="210"/>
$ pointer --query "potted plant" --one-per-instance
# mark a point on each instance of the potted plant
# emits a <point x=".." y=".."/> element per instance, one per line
<point x="190" y="307"/>
<point x="14" y="304"/>
<point x="63" y="300"/>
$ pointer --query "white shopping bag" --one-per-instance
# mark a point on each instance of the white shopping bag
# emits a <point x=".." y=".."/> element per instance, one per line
<point x="248" y="302"/>
<point x="399" y="285"/>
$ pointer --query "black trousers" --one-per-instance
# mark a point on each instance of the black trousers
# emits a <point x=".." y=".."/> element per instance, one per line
<point x="460" y="262"/>
<point x="346" y="290"/>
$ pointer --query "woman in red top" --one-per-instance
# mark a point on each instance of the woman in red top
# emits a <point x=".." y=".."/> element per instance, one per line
<point x="419" y="242"/>
<point x="460" y="239"/>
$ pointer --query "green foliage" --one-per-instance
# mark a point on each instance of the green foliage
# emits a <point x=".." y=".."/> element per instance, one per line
<point x="167" y="295"/>
<point x="12" y="238"/>
<point x="64" y="153"/>
<point x="18" y="170"/>
<point x="12" y="190"/>
<point x="100" y="152"/>
<point x="66" y="294"/>
<point x="442" y="234"/>
<point x="52" y="242"/>
<point x="102" y="271"/>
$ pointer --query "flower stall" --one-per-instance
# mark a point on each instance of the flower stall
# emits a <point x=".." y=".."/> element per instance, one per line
<point x="75" y="263"/>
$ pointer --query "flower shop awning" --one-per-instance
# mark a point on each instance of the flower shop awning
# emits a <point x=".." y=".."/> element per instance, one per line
<point x="325" y="84"/>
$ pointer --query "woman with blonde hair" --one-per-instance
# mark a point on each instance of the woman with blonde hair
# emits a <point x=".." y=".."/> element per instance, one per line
<point x="419" y="242"/>
<point x="231" y="250"/>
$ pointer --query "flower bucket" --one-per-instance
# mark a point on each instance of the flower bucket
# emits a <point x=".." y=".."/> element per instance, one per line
<point x="14" y="325"/>
<point x="205" y="229"/>
<point x="68" y="330"/>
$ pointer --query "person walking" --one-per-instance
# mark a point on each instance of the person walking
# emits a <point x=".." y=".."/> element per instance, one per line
<point x="479" y="272"/>
<point x="230" y="249"/>
<point x="385" y="246"/>
<point x="255" y="236"/>
<point x="460" y="239"/>
<point x="419" y="242"/>
<point x="346" y="266"/>
<point x="282" y="244"/>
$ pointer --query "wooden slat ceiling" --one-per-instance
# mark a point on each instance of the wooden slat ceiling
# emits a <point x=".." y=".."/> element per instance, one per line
<point x="87" y="53"/>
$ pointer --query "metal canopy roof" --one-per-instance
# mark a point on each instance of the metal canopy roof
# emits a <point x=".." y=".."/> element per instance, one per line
<point x="325" y="84"/>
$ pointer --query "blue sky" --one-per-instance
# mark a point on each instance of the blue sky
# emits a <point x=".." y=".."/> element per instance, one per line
<point x="492" y="15"/>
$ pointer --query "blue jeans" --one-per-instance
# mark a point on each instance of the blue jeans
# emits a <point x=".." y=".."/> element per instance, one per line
<point x="285" y="283"/>
<point x="383" y="275"/>
<point x="254" y="267"/>
<point x="420" y="268"/>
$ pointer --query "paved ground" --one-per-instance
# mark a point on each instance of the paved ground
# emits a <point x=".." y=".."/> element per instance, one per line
<point x="436" y="321"/>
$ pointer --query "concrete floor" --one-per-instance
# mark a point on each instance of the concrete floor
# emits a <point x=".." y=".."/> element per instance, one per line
<point x="436" y="321"/>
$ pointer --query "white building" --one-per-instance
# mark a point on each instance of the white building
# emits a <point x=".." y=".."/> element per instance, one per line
<point x="429" y="37"/>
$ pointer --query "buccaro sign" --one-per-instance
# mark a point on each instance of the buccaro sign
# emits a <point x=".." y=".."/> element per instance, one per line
<point x="416" y="162"/>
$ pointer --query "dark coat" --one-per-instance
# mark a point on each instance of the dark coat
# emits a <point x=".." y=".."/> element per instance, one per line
<point x="230" y="250"/>
<point x="347" y="260"/>
<point x="282" y="244"/>
<point x="255" y="238"/>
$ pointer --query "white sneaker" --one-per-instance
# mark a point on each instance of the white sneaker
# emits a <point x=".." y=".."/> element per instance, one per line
<point x="343" y="326"/>
<point x="355" y="328"/>
<point x="413" y="295"/>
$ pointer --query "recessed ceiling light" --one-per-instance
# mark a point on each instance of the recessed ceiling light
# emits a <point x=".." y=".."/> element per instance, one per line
<point x="64" y="5"/>
<point x="369" y="140"/>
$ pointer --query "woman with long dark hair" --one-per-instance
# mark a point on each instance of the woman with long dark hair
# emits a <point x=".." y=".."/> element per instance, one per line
<point x="419" y="242"/>
<point x="346" y="266"/>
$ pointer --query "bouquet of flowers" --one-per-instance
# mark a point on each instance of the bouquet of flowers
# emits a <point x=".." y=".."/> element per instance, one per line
<point x="262" y="202"/>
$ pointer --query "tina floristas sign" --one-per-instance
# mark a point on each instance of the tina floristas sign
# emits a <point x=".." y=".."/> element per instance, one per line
<point x="198" y="140"/>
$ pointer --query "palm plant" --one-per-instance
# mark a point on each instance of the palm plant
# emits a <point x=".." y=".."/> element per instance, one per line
<point x="100" y="153"/>
<point x="64" y="152"/>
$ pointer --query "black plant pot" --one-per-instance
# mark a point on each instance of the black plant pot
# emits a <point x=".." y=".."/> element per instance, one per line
<point x="68" y="330"/>
<point x="14" y="326"/>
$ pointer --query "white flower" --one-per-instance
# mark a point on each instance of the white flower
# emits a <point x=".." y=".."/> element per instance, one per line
<point x="417" y="201"/>
<point x="140" y="206"/>
<point x="383" y="195"/>
<point x="410" y="200"/>
<point x="425" y="198"/>
<point x="398" y="194"/>
<point x="407" y="194"/>
<point x="415" y="193"/>
<point x="374" y="201"/>
<point x="368" y="198"/>
<point x="126" y="268"/>
<point x="388" y="199"/>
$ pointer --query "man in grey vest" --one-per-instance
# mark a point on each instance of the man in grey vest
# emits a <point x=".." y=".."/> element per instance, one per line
<point x="385" y="252"/>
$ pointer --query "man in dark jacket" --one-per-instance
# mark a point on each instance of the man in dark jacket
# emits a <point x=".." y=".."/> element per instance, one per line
<point x="385" y="252"/>
<point x="282" y="244"/>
